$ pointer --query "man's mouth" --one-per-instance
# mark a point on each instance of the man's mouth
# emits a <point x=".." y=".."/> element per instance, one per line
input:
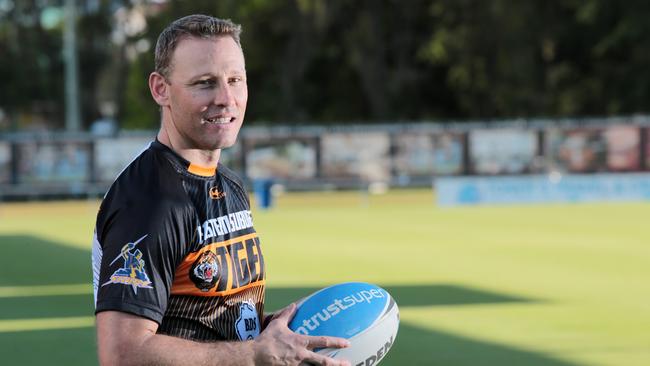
<point x="217" y="120"/>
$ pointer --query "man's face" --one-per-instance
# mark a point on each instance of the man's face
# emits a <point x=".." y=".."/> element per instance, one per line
<point x="207" y="92"/>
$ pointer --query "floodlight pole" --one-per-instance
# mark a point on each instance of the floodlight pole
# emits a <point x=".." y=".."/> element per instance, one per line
<point x="72" y="113"/>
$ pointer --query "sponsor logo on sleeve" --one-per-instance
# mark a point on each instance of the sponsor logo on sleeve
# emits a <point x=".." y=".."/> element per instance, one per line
<point x="132" y="273"/>
<point x="248" y="323"/>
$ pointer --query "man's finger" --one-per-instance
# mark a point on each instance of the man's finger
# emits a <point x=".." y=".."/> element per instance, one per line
<point x="326" y="342"/>
<point x="317" y="359"/>
<point x="285" y="315"/>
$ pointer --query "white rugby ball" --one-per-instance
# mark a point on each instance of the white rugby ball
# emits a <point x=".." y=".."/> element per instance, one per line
<point x="363" y="313"/>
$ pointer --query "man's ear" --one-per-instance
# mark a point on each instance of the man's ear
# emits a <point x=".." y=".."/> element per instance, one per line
<point x="159" y="88"/>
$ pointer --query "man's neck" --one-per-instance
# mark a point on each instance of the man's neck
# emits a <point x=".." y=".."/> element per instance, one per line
<point x="203" y="158"/>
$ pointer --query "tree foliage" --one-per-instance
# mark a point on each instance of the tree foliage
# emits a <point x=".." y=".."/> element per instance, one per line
<point x="361" y="60"/>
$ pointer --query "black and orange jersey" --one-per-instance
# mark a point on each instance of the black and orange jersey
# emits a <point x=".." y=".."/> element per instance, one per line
<point x="175" y="243"/>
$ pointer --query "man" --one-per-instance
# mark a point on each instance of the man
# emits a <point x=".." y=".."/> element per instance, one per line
<point x="178" y="269"/>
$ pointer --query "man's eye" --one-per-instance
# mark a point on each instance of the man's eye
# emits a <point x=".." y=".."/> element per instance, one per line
<point x="235" y="80"/>
<point x="205" y="83"/>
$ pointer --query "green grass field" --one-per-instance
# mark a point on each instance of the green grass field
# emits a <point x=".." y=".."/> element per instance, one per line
<point x="555" y="285"/>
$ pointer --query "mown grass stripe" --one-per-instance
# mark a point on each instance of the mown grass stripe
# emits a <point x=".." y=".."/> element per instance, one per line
<point x="25" y="325"/>
<point x="45" y="290"/>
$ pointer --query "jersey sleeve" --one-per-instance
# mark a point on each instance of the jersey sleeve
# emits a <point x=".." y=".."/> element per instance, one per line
<point x="136" y="249"/>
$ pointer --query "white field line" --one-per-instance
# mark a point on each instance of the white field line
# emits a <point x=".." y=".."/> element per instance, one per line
<point x="23" y="325"/>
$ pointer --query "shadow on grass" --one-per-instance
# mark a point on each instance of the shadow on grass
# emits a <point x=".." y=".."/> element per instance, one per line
<point x="419" y="346"/>
<point x="49" y="347"/>
<point x="405" y="295"/>
<point x="27" y="260"/>
<point x="46" y="306"/>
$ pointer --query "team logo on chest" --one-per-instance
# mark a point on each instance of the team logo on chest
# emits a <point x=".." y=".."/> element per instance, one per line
<point x="216" y="194"/>
<point x="204" y="272"/>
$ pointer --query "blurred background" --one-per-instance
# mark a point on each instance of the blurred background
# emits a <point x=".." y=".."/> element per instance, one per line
<point x="371" y="126"/>
<point x="341" y="92"/>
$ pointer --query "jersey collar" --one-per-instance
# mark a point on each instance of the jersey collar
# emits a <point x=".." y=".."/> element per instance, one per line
<point x="188" y="166"/>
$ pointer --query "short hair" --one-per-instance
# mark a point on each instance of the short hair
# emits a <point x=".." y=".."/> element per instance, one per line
<point x="197" y="25"/>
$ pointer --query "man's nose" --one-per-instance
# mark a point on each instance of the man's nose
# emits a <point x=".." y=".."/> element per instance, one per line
<point x="224" y="96"/>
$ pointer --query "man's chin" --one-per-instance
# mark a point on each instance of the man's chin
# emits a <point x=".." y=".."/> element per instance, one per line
<point x="218" y="145"/>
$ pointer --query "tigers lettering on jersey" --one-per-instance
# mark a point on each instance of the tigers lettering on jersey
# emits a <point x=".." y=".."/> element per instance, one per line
<point x="223" y="225"/>
<point x="221" y="268"/>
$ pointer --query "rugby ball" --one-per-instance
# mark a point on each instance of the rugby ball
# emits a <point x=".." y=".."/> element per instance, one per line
<point x="365" y="314"/>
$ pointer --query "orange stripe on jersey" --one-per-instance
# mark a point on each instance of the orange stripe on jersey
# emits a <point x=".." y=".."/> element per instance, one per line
<point x="202" y="171"/>
<point x="221" y="268"/>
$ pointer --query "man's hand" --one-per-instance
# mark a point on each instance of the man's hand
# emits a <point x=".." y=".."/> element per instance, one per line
<point x="278" y="345"/>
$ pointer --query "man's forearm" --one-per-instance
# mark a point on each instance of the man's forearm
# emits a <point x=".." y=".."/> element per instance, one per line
<point x="164" y="350"/>
<point x="125" y="339"/>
